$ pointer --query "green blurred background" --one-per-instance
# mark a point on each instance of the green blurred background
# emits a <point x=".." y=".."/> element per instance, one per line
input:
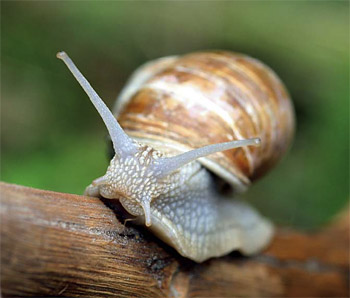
<point x="52" y="138"/>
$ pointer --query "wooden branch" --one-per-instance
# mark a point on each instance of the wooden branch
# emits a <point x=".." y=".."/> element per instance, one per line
<point x="55" y="244"/>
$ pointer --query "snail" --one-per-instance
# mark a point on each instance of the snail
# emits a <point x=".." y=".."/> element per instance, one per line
<point x="192" y="133"/>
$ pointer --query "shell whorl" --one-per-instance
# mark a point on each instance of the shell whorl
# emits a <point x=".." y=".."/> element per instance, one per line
<point x="185" y="102"/>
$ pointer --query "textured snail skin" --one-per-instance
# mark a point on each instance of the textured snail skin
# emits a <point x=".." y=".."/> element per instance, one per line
<point x="203" y="103"/>
<point x="187" y="211"/>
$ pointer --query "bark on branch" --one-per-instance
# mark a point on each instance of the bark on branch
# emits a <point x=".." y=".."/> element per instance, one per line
<point x="55" y="244"/>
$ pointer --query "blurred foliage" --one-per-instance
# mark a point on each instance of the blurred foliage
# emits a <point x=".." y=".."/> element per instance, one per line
<point x="52" y="138"/>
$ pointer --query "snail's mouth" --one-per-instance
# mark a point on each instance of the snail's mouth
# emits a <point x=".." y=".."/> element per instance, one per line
<point x="139" y="208"/>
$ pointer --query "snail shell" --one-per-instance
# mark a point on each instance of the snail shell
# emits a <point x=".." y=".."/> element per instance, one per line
<point x="175" y="111"/>
<point x="186" y="102"/>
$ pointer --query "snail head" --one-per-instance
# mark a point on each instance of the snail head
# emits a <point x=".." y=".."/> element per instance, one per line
<point x="138" y="174"/>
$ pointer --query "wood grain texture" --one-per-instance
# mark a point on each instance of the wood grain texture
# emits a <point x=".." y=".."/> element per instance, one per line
<point x="55" y="244"/>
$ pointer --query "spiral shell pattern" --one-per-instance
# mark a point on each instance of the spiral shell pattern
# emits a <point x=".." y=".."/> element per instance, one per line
<point x="183" y="102"/>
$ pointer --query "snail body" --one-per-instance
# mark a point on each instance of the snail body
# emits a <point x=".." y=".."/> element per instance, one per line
<point x="180" y="115"/>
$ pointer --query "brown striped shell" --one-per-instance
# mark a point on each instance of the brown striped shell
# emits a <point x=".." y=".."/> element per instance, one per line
<point x="183" y="102"/>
